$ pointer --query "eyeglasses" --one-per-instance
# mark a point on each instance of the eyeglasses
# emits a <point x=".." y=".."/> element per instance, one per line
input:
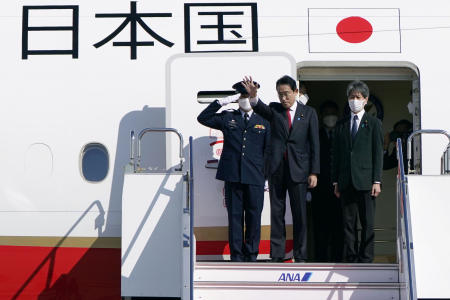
<point x="285" y="94"/>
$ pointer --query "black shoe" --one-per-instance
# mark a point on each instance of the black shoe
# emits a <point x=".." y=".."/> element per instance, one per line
<point x="299" y="260"/>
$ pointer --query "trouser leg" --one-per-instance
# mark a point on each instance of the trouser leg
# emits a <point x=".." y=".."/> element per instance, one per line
<point x="297" y="197"/>
<point x="235" y="209"/>
<point x="349" y="218"/>
<point x="253" y="205"/>
<point x="277" y="192"/>
<point x="366" y="207"/>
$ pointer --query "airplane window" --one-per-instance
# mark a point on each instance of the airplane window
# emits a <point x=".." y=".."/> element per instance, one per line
<point x="94" y="162"/>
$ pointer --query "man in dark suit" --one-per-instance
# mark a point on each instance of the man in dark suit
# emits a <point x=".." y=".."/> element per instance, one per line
<point x="356" y="172"/>
<point x="326" y="209"/>
<point x="293" y="162"/>
<point x="241" y="166"/>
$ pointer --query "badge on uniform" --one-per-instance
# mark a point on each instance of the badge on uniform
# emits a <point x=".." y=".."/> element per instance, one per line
<point x="258" y="126"/>
<point x="232" y="123"/>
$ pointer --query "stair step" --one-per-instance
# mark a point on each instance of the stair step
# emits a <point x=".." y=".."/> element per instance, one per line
<point x="295" y="291"/>
<point x="300" y="273"/>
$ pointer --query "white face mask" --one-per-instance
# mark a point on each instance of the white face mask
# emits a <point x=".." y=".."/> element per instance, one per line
<point x="244" y="104"/>
<point x="303" y="98"/>
<point x="356" y="105"/>
<point x="330" y="121"/>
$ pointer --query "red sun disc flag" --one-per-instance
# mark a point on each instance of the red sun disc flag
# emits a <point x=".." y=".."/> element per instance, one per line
<point x="354" y="30"/>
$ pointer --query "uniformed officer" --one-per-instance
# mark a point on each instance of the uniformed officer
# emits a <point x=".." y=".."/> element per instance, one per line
<point x="241" y="166"/>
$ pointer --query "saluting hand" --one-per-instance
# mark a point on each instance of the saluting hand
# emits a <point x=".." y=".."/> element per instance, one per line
<point x="229" y="99"/>
<point x="250" y="86"/>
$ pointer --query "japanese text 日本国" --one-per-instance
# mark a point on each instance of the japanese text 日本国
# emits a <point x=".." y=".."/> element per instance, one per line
<point x="208" y="27"/>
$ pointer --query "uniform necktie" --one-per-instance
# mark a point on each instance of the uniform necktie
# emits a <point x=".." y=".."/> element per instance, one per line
<point x="246" y="119"/>
<point x="354" y="127"/>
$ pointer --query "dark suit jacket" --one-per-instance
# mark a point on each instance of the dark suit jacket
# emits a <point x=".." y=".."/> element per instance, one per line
<point x="325" y="157"/>
<point x="301" y="142"/>
<point x="244" y="147"/>
<point x="359" y="163"/>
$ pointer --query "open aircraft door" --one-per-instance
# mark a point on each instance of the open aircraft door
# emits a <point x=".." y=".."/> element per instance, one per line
<point x="193" y="81"/>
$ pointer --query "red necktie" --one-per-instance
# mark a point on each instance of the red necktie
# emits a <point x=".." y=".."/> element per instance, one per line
<point x="288" y="112"/>
<point x="290" y="126"/>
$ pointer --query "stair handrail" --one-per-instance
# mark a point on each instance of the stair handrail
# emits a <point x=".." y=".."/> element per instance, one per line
<point x="191" y="221"/>
<point x="444" y="158"/>
<point x="445" y="161"/>
<point x="147" y="130"/>
<point x="403" y="200"/>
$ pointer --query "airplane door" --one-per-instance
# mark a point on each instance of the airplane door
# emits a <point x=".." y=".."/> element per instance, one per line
<point x="214" y="74"/>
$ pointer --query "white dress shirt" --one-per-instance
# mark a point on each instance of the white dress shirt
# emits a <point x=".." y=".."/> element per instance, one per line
<point x="292" y="110"/>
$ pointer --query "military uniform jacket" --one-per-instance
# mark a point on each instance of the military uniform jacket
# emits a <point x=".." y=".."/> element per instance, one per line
<point x="301" y="142"/>
<point x="359" y="162"/>
<point x="244" y="147"/>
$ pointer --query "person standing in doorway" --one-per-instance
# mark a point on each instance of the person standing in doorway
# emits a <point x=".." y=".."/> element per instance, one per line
<point x="294" y="162"/>
<point x="326" y="209"/>
<point x="357" y="163"/>
<point x="241" y="166"/>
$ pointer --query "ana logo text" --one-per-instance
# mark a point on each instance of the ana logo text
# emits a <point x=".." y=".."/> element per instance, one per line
<point x="294" y="277"/>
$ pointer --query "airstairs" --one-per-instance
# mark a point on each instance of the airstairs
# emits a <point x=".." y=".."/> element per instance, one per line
<point x="158" y="245"/>
<point x="296" y="281"/>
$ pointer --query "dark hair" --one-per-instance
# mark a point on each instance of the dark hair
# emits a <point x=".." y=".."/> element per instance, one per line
<point x="287" y="80"/>
<point x="408" y="124"/>
<point x="330" y="104"/>
<point x="359" y="87"/>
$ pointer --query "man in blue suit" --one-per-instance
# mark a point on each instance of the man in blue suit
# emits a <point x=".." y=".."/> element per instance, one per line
<point x="241" y="166"/>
